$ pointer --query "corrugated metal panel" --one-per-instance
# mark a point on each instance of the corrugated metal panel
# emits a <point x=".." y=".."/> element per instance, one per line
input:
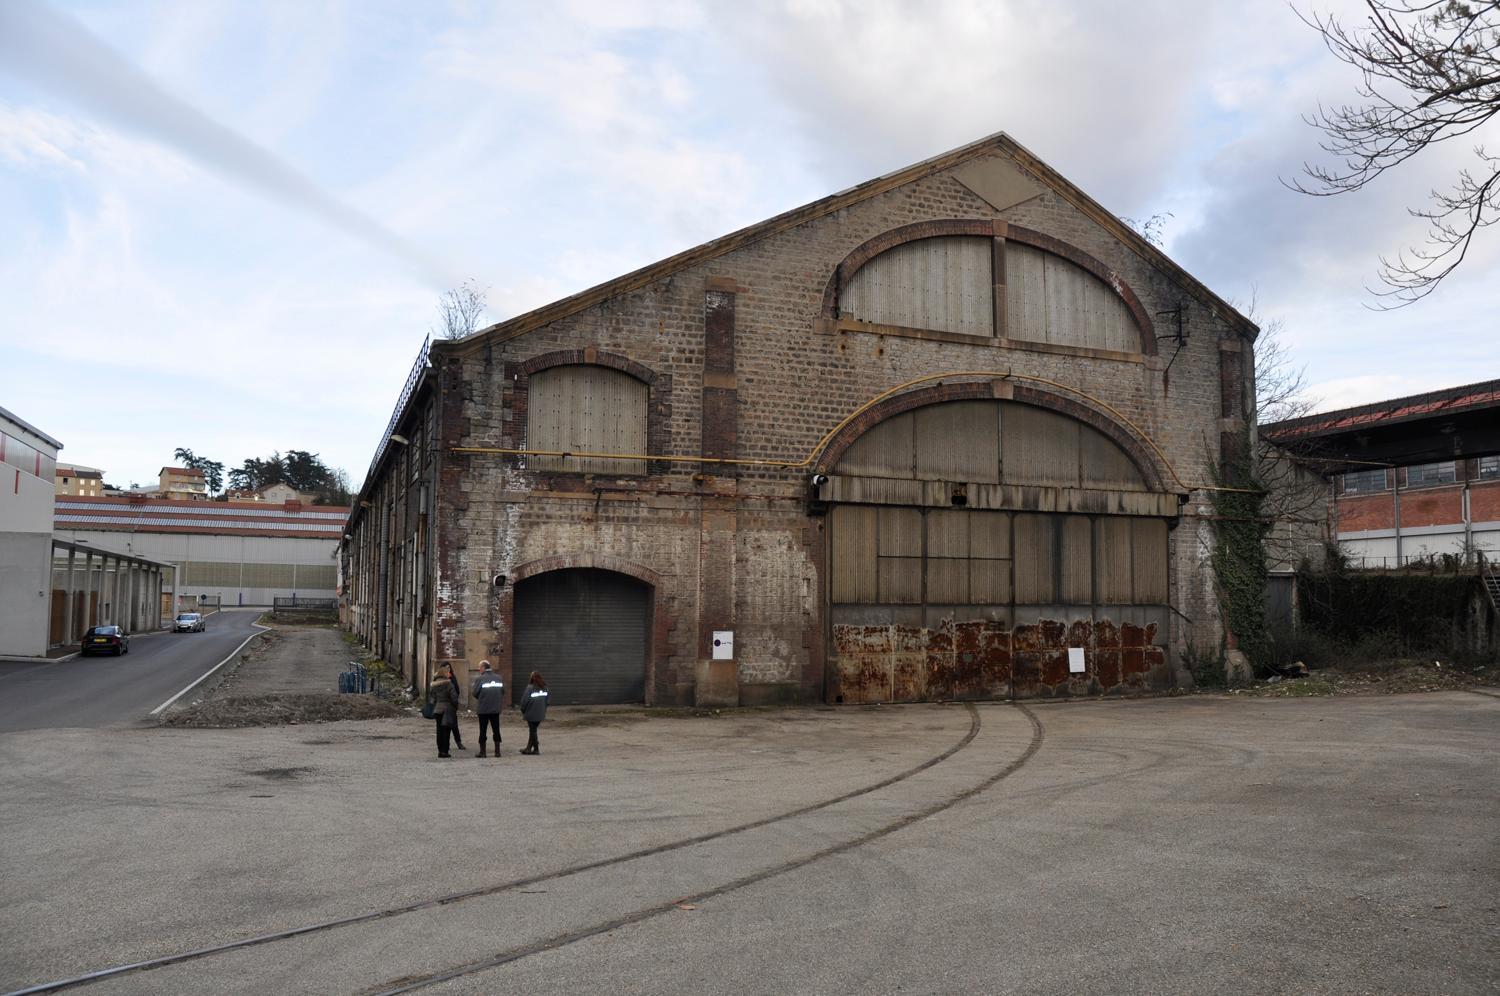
<point x="311" y="576"/>
<point x="1035" y="560"/>
<point x="1112" y="561"/>
<point x="268" y="576"/>
<point x="1050" y="299"/>
<point x="1039" y="447"/>
<point x="989" y="535"/>
<point x="948" y="533"/>
<point x="947" y="581"/>
<point x="853" y="538"/>
<point x="587" y="409"/>
<point x="942" y="283"/>
<point x="145" y="525"/>
<point x="1025" y="293"/>
<point x="206" y="509"/>
<point x="1149" y="561"/>
<point x="1076" y="561"/>
<point x="989" y="582"/>
<point x="900" y="564"/>
<point x="1065" y="308"/>
<point x="958" y="441"/>
<point x="900" y="532"/>
<point x="586" y="632"/>
<point x="1104" y="464"/>
<point x="885" y="451"/>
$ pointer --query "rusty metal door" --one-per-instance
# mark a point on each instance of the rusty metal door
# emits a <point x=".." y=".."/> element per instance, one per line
<point x="941" y="604"/>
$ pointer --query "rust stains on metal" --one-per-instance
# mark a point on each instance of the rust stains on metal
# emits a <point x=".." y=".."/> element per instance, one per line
<point x="983" y="659"/>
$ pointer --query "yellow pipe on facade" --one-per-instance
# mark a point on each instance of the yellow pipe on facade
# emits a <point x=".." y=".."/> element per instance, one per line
<point x="808" y="460"/>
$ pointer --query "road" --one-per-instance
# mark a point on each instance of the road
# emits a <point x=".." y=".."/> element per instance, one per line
<point x="1192" y="845"/>
<point x="98" y="692"/>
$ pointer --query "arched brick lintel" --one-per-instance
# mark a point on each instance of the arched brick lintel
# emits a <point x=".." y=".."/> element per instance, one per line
<point x="595" y="561"/>
<point x="588" y="356"/>
<point x="1139" y="451"/>
<point x="886" y="241"/>
<point x="661" y="620"/>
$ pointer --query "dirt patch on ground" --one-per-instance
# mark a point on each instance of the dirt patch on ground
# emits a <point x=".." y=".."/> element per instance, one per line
<point x="287" y="675"/>
<point x="281" y="710"/>
<point x="1385" y="678"/>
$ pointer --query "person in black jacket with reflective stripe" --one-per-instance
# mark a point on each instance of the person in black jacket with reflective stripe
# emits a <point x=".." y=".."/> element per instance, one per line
<point x="533" y="706"/>
<point x="489" y="698"/>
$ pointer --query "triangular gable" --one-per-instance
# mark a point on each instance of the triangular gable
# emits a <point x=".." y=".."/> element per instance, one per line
<point x="1004" y="181"/>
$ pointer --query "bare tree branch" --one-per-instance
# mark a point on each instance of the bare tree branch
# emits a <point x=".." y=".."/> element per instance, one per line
<point x="1430" y="73"/>
<point x="459" y="310"/>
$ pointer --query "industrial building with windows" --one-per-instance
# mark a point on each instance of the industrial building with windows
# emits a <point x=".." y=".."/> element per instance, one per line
<point x="227" y="553"/>
<point x="1413" y="478"/>
<point x="947" y="434"/>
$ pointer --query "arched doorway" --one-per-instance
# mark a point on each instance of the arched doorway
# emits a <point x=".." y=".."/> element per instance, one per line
<point x="989" y="548"/>
<point x="586" y="630"/>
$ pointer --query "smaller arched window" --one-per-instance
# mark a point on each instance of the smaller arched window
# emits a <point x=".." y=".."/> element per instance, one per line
<point x="581" y="408"/>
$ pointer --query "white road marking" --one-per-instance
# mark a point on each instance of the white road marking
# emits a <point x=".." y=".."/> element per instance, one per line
<point x="199" y="680"/>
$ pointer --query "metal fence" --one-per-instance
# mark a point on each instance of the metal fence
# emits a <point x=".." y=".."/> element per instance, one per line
<point x="299" y="603"/>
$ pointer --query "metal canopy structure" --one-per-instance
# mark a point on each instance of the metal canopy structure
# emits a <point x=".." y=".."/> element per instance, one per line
<point x="1452" y="424"/>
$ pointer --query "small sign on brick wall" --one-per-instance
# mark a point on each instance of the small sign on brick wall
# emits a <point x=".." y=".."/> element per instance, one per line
<point x="723" y="644"/>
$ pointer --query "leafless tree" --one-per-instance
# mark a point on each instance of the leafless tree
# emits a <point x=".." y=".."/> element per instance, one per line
<point x="1296" y="491"/>
<point x="459" y="311"/>
<point x="1430" y="73"/>
<point x="1151" y="228"/>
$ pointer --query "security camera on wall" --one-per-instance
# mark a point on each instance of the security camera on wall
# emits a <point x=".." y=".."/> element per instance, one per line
<point x="818" y="480"/>
<point x="499" y="580"/>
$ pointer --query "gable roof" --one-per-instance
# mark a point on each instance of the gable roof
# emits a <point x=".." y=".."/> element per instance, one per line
<point x="1000" y="141"/>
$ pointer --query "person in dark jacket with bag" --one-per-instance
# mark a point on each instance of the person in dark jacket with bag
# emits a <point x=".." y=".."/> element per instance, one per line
<point x="533" y="706"/>
<point x="458" y="701"/>
<point x="441" y="696"/>
<point x="489" y="698"/>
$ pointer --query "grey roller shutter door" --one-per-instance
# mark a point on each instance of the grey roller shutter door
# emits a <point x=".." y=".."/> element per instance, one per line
<point x="586" y="631"/>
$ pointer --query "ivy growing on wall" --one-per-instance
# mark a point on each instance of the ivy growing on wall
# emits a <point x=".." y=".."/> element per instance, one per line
<point x="1239" y="558"/>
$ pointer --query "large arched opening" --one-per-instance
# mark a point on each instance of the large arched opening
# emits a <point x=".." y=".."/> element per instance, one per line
<point x="989" y="547"/>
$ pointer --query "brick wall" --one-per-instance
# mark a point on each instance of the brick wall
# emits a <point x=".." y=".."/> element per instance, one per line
<point x="767" y="383"/>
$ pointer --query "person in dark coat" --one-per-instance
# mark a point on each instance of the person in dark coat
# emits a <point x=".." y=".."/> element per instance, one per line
<point x="533" y="706"/>
<point x="489" y="698"/>
<point x="444" y="702"/>
<point x="458" y="701"/>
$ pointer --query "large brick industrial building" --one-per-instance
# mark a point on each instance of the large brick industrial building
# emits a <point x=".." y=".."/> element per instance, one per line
<point x="943" y="435"/>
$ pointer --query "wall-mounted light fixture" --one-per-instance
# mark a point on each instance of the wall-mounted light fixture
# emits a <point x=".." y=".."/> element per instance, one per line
<point x="398" y="438"/>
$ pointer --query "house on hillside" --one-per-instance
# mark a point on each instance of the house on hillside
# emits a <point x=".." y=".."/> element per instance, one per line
<point x="944" y="435"/>
<point x="181" y="482"/>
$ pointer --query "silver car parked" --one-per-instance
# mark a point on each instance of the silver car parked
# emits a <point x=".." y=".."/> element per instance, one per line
<point x="188" y="622"/>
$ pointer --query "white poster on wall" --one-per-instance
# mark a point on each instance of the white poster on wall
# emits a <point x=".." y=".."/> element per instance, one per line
<point x="723" y="644"/>
<point x="1075" y="660"/>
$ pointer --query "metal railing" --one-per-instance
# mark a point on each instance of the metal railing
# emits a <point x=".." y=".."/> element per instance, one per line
<point x="299" y="603"/>
<point x="400" y="409"/>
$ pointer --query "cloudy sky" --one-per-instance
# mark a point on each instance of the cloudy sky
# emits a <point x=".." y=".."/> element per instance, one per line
<point x="227" y="225"/>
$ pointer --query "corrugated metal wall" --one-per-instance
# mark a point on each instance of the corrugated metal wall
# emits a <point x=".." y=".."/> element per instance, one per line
<point x="587" y="409"/>
<point x="1050" y="299"/>
<point x="943" y="283"/>
<point x="586" y="631"/>
<point x="929" y="601"/>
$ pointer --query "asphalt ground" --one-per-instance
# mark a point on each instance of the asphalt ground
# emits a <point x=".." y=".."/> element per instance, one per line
<point x="1177" y="845"/>
<point x="99" y="691"/>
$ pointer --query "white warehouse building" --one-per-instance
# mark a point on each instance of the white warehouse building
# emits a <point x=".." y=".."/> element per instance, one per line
<point x="235" y="553"/>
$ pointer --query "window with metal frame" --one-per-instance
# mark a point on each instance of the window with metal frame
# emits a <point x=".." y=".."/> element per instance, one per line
<point x="1428" y="474"/>
<point x="1359" y="482"/>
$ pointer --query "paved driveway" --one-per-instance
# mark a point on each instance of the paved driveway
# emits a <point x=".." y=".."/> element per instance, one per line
<point x="1182" y="845"/>
<point x="116" y="691"/>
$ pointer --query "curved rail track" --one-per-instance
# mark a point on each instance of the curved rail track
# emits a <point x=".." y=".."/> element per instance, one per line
<point x="411" y="983"/>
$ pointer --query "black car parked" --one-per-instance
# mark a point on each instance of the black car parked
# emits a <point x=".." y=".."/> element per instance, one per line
<point x="105" y="640"/>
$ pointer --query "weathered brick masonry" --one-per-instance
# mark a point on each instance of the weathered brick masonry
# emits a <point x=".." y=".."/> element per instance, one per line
<point x="745" y="355"/>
